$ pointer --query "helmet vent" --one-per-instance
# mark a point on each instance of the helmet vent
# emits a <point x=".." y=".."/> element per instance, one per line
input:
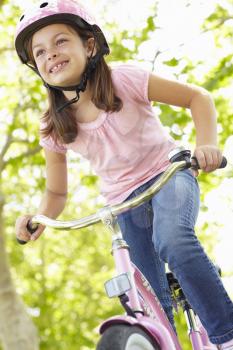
<point x="44" y="4"/>
<point x="21" y="18"/>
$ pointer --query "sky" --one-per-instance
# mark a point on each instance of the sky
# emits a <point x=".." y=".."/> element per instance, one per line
<point x="179" y="35"/>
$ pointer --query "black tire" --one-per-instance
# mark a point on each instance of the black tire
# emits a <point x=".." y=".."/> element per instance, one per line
<point x="126" y="337"/>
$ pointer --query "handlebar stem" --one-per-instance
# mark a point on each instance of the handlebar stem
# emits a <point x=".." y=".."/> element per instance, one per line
<point x="110" y="221"/>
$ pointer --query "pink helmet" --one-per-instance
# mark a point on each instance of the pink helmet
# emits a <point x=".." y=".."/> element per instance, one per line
<point x="55" y="11"/>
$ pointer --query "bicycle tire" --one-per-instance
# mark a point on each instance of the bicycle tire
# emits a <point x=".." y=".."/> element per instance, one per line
<point x="126" y="337"/>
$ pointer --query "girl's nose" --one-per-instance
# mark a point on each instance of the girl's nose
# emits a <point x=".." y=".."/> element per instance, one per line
<point x="51" y="55"/>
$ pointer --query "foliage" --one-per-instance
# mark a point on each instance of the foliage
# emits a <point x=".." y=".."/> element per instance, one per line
<point x="61" y="276"/>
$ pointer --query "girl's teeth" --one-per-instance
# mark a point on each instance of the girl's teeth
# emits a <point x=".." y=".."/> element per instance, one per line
<point x="58" y="66"/>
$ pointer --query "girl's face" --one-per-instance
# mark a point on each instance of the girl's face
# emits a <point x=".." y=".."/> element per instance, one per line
<point x="60" y="54"/>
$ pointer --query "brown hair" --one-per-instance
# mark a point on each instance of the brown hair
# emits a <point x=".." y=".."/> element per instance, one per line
<point x="62" y="126"/>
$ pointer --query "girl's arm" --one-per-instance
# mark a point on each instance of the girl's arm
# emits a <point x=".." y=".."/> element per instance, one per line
<point x="54" y="198"/>
<point x="203" y="112"/>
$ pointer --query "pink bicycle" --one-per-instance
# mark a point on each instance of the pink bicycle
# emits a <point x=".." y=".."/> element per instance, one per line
<point x="144" y="326"/>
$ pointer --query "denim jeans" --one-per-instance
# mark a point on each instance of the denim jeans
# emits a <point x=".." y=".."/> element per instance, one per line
<point x="162" y="231"/>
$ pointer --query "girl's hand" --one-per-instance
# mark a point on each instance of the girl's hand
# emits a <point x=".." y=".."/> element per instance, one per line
<point x="22" y="232"/>
<point x="209" y="157"/>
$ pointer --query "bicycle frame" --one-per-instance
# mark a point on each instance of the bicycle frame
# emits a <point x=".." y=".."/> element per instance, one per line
<point x="147" y="311"/>
<point x="158" y="327"/>
<point x="156" y="323"/>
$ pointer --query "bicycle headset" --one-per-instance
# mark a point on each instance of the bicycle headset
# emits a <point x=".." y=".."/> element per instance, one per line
<point x="59" y="11"/>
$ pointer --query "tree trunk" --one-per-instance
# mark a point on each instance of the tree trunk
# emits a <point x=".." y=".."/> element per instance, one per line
<point x="17" y="331"/>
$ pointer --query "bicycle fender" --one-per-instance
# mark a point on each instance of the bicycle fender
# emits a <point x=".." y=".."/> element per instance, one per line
<point x="155" y="329"/>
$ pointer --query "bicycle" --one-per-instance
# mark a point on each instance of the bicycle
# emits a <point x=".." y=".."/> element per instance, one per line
<point x="144" y="326"/>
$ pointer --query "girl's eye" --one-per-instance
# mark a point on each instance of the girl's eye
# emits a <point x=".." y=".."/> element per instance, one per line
<point x="39" y="53"/>
<point x="42" y="51"/>
<point x="60" y="41"/>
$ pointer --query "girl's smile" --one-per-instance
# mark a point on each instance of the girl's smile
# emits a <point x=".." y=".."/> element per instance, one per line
<point x="58" y="66"/>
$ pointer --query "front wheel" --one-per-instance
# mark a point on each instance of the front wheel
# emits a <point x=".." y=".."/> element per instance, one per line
<point x="125" y="337"/>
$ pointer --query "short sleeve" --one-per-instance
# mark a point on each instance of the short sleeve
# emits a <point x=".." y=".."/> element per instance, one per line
<point x="132" y="81"/>
<point x="51" y="145"/>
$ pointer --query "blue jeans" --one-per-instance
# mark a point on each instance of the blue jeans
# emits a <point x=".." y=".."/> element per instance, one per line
<point x="162" y="230"/>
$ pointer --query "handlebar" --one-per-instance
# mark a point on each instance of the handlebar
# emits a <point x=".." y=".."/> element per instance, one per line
<point x="180" y="160"/>
<point x="115" y="209"/>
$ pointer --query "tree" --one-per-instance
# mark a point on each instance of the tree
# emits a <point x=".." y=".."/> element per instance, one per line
<point x="60" y="277"/>
<point x="16" y="328"/>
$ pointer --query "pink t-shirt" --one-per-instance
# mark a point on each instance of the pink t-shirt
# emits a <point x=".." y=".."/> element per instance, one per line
<point x="126" y="148"/>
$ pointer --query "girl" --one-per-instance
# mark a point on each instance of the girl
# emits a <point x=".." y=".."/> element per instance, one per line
<point x="105" y="115"/>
